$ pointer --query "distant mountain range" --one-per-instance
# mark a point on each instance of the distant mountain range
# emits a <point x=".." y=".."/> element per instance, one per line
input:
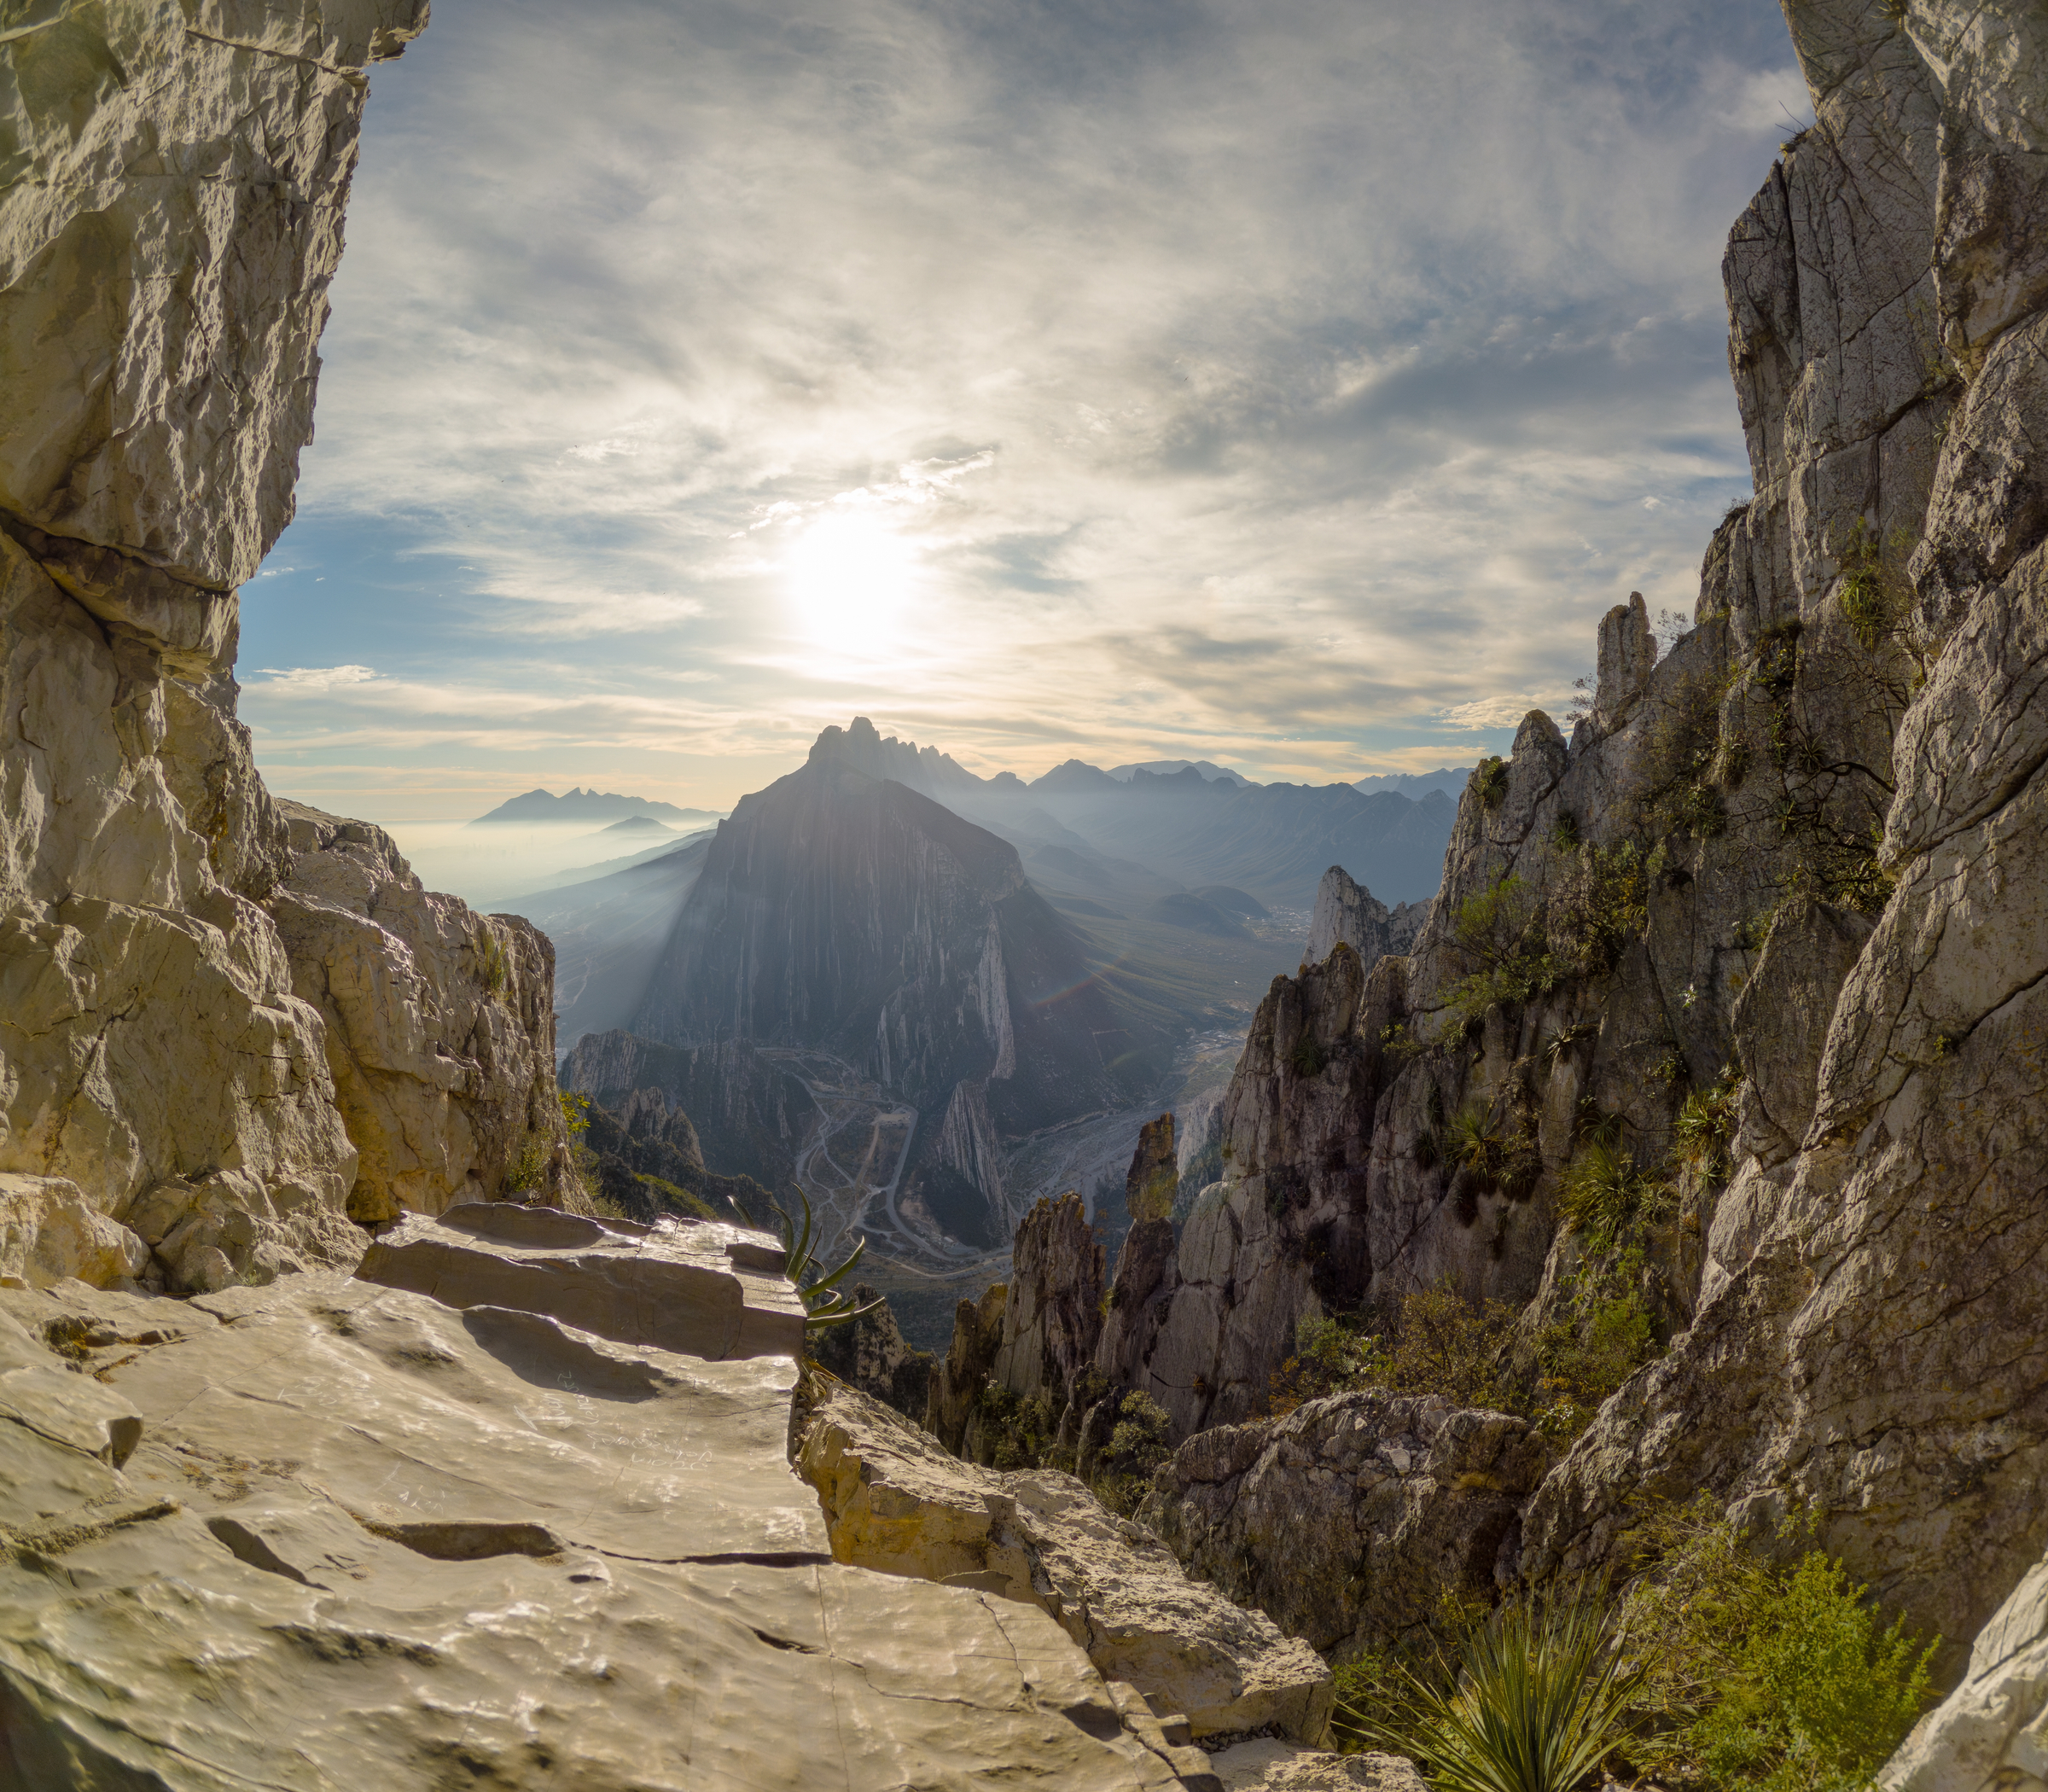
<point x="1184" y="827"/>
<point x="1211" y="771"/>
<point x="590" y="806"/>
<point x="950" y="963"/>
<point x="1416" y="784"/>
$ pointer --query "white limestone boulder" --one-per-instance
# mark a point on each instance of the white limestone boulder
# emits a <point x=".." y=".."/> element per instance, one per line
<point x="894" y="1500"/>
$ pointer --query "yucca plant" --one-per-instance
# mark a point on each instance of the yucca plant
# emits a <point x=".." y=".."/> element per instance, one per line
<point x="1538" y="1698"/>
<point x="824" y="1306"/>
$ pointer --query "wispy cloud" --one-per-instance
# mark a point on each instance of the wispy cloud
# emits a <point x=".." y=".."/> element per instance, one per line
<point x="1287" y="384"/>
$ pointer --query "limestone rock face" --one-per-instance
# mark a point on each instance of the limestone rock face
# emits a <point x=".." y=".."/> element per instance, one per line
<point x="480" y="1542"/>
<point x="1345" y="909"/>
<point x="1874" y="1351"/>
<point x="440" y="1026"/>
<point x="167" y="243"/>
<point x="1347" y="1519"/>
<point x="1053" y="1319"/>
<point x="693" y="1287"/>
<point x="894" y="1501"/>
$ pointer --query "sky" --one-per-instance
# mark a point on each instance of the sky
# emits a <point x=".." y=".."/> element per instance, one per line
<point x="1287" y="383"/>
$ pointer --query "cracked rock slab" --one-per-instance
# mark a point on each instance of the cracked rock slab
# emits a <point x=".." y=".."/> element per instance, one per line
<point x="368" y="1541"/>
<point x="699" y="1287"/>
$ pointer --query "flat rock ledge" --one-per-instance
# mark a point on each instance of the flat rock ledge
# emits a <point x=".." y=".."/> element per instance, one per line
<point x="331" y="1535"/>
<point x="896" y="1501"/>
<point x="695" y="1287"/>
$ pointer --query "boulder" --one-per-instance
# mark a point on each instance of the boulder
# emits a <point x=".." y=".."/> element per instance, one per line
<point x="49" y="1232"/>
<point x="696" y="1287"/>
<point x="894" y="1501"/>
<point x="1266" y="1765"/>
<point x="1348" y="1520"/>
<point x="328" y="1534"/>
<point x="439" y="1025"/>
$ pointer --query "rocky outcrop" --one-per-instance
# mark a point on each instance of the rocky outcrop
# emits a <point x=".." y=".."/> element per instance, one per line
<point x="693" y="1286"/>
<point x="439" y="1025"/>
<point x="1052" y="1319"/>
<point x="483" y="1543"/>
<point x="1201" y="1327"/>
<point x="958" y="1380"/>
<point x="228" y="1025"/>
<point x="1345" y="909"/>
<point x="894" y="1501"/>
<point x="1348" y="1521"/>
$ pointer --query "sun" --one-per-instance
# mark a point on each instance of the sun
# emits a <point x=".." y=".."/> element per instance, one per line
<point x="850" y="576"/>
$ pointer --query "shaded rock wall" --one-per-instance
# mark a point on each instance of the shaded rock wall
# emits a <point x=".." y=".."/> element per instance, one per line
<point x="1349" y="1521"/>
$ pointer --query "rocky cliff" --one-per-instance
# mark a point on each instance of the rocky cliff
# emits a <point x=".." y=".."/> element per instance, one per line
<point x="848" y="913"/>
<point x="227" y="1025"/>
<point x="1345" y="909"/>
<point x="1756" y="956"/>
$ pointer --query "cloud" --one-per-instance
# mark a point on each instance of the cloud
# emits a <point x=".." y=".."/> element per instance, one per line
<point x="1226" y="375"/>
<point x="1487" y="713"/>
<point x="317" y="678"/>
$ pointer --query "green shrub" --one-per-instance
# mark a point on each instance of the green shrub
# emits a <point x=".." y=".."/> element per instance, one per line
<point x="1779" y="1676"/>
<point x="1306" y="1057"/>
<point x="1707" y="1122"/>
<point x="1139" y="1444"/>
<point x="1499" y="931"/>
<point x="1441" y="1343"/>
<point x="1330" y="1356"/>
<point x="1605" y="1195"/>
<point x="1490" y="780"/>
<point x="1538" y="1701"/>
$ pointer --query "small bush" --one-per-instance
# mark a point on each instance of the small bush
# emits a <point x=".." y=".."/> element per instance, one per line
<point x="1766" y="1675"/>
<point x="492" y="971"/>
<point x="1329" y="1357"/>
<point x="1500" y="933"/>
<point x="1490" y="780"/>
<point x="1707" y="1122"/>
<point x="1306" y="1058"/>
<point x="1605" y="1195"/>
<point x="1444" y="1344"/>
<point x="1137" y="1445"/>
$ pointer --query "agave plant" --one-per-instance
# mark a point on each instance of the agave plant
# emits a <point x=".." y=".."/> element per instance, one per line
<point x="824" y="1304"/>
<point x="1538" y="1698"/>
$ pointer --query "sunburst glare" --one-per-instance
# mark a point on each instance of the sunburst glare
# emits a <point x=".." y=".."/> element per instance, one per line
<point x="850" y="579"/>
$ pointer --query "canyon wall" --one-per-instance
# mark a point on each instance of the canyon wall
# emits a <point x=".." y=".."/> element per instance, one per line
<point x="1765" y="927"/>
<point x="195" y="1042"/>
